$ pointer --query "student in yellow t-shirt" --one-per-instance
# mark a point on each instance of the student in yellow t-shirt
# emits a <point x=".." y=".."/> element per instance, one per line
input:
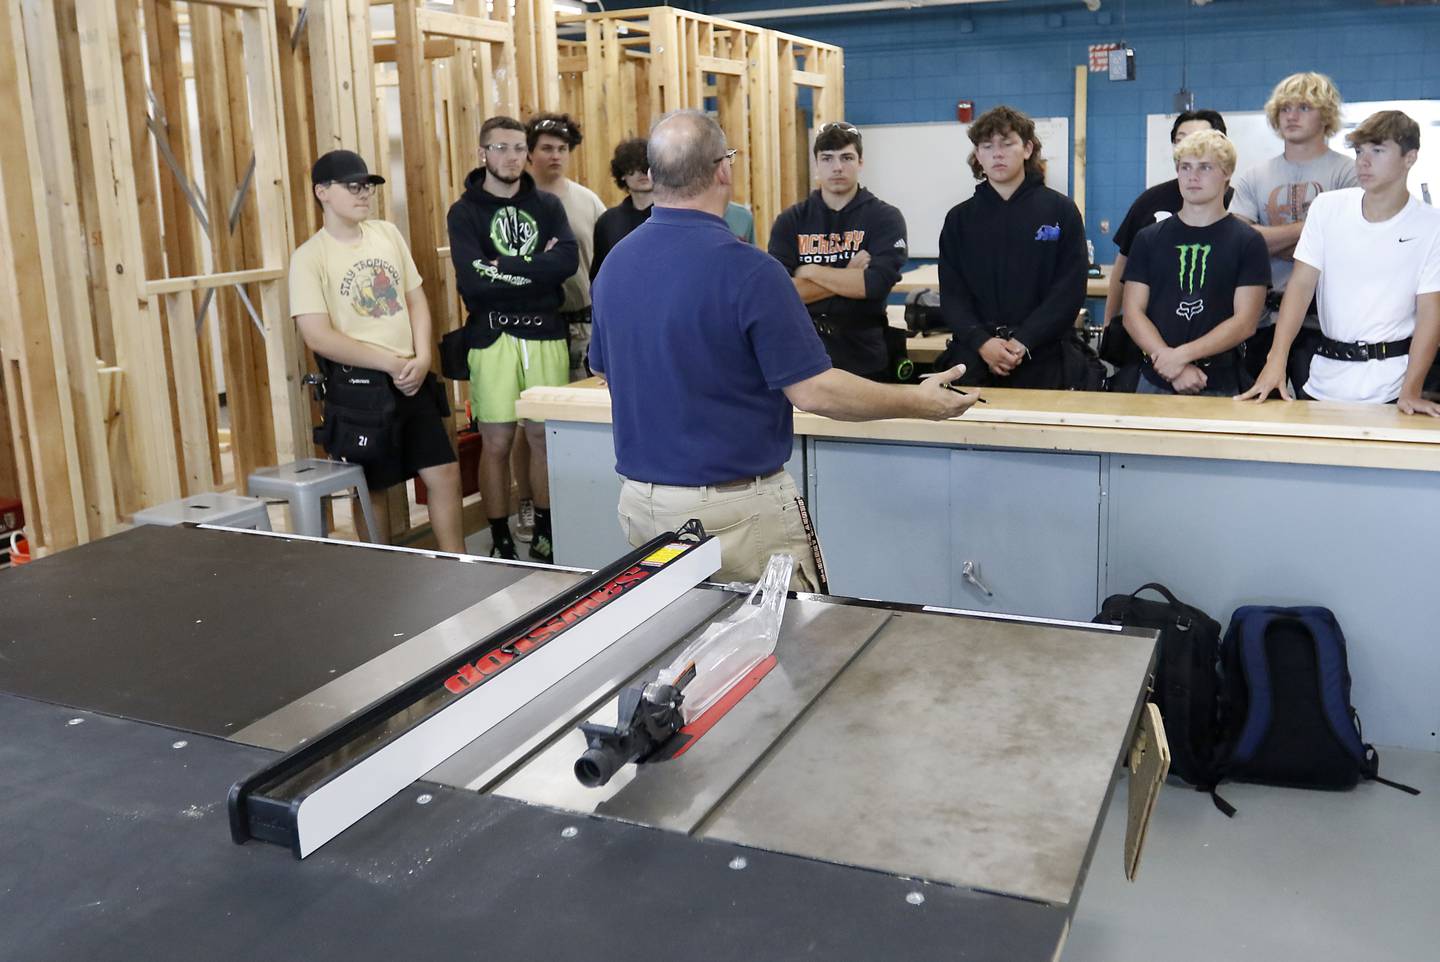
<point x="355" y="294"/>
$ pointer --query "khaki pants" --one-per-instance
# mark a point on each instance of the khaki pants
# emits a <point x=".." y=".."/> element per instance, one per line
<point x="751" y="520"/>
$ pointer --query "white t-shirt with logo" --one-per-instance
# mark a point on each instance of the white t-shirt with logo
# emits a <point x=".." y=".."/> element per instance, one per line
<point x="1370" y="275"/>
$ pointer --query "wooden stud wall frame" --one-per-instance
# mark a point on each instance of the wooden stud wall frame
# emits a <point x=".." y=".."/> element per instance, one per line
<point x="159" y="181"/>
<point x="634" y="65"/>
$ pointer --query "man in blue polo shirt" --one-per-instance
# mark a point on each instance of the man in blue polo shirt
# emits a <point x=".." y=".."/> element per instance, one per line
<point x="706" y="345"/>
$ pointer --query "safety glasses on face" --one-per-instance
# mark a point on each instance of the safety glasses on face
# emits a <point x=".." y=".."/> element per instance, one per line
<point x="500" y="150"/>
<point x="729" y="155"/>
<point x="362" y="189"/>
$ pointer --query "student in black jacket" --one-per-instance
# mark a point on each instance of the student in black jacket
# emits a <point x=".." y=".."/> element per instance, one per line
<point x="1012" y="262"/>
<point x="513" y="251"/>
<point x="844" y="247"/>
<point x="631" y="170"/>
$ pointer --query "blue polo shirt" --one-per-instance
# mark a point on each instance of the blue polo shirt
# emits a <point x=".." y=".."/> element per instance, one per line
<point x="697" y="333"/>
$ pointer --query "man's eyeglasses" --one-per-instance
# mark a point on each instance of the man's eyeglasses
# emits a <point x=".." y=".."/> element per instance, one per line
<point x="729" y="155"/>
<point x="361" y="189"/>
<point x="552" y="124"/>
<point x="839" y="125"/>
<point x="503" y="149"/>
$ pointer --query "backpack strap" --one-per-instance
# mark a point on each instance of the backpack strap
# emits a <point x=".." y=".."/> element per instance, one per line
<point x="1330" y="660"/>
<point x="1224" y="807"/>
<point x="1157" y="586"/>
<point x="1249" y="638"/>
<point x="1371" y="767"/>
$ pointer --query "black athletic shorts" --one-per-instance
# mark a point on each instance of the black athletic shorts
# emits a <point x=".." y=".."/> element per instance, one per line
<point x="421" y="440"/>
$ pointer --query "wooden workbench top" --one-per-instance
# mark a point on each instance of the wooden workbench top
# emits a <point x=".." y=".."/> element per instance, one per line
<point x="1308" y="432"/>
<point x="927" y="276"/>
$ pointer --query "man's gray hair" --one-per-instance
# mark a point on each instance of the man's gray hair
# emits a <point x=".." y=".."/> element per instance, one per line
<point x="682" y="150"/>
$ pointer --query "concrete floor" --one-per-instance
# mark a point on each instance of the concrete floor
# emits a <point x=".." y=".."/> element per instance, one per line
<point x="1295" y="875"/>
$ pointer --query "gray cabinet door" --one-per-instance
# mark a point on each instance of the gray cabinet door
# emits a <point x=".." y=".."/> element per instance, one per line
<point x="1028" y="524"/>
<point x="584" y="490"/>
<point x="882" y="512"/>
<point x="898" y="522"/>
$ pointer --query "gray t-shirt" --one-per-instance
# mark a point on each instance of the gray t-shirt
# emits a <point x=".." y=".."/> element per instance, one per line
<point x="1279" y="192"/>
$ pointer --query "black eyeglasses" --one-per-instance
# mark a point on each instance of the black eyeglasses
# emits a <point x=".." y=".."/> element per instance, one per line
<point x="552" y="124"/>
<point x="363" y="188"/>
<point x="839" y="125"/>
<point x="729" y="155"/>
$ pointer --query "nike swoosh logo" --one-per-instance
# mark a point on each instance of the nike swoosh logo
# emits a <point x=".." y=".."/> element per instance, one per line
<point x="1406" y="240"/>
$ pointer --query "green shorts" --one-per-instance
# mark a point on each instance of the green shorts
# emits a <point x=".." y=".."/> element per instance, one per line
<point x="499" y="373"/>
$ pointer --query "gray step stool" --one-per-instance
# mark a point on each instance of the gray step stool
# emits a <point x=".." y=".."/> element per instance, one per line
<point x="305" y="483"/>
<point x="231" y="510"/>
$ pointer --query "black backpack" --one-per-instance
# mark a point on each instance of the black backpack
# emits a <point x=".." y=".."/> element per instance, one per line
<point x="922" y="312"/>
<point x="1185" y="677"/>
<point x="1285" y="702"/>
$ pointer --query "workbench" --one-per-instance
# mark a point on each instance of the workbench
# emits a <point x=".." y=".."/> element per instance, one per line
<point x="902" y="784"/>
<point x="927" y="277"/>
<point x="1052" y="501"/>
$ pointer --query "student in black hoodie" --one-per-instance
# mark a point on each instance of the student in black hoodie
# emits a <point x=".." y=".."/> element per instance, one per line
<point x="1012" y="262"/>
<point x="844" y="248"/>
<point x="631" y="170"/>
<point x="513" y="251"/>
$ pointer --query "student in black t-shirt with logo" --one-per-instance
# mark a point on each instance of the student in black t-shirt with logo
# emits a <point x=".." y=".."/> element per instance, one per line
<point x="844" y="248"/>
<point x="1155" y="204"/>
<point x="1195" y="283"/>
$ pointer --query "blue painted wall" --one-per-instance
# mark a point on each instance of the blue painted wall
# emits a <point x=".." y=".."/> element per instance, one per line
<point x="905" y="66"/>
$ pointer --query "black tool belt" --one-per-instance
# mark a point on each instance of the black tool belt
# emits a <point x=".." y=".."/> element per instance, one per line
<point x="1273" y="299"/>
<point x="830" y="324"/>
<point x="1224" y="359"/>
<point x="513" y="320"/>
<point x="581" y="316"/>
<point x="1361" y="350"/>
<point x="359" y="414"/>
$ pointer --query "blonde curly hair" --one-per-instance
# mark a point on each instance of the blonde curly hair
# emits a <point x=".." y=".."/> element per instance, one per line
<point x="1313" y="89"/>
<point x="1207" y="143"/>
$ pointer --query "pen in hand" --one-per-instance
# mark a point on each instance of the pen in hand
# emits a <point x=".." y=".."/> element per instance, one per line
<point x="951" y="387"/>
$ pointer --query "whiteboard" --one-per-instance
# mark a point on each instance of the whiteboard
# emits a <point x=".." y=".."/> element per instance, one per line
<point x="1254" y="141"/>
<point x="923" y="169"/>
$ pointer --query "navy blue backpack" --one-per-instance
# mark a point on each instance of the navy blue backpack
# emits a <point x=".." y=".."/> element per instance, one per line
<point x="1285" y="711"/>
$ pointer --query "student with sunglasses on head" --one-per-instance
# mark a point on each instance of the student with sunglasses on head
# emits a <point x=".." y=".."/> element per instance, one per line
<point x="844" y="248"/>
<point x="355" y="295"/>
<point x="513" y="253"/>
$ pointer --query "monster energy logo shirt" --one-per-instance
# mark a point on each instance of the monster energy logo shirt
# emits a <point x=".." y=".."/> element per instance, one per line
<point x="1192" y="273"/>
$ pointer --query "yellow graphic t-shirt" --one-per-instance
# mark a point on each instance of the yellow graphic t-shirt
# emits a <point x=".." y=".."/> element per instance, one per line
<point x="362" y="286"/>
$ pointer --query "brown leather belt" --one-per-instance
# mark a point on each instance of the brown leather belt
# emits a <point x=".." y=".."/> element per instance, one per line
<point x="744" y="482"/>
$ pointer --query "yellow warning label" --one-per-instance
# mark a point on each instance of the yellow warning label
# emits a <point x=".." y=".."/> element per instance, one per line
<point x="666" y="554"/>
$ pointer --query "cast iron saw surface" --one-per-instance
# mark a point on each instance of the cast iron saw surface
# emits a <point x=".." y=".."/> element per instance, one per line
<point x="211" y="630"/>
<point x="114" y="845"/>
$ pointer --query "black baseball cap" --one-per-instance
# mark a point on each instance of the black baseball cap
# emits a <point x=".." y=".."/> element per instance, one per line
<point x="343" y="167"/>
